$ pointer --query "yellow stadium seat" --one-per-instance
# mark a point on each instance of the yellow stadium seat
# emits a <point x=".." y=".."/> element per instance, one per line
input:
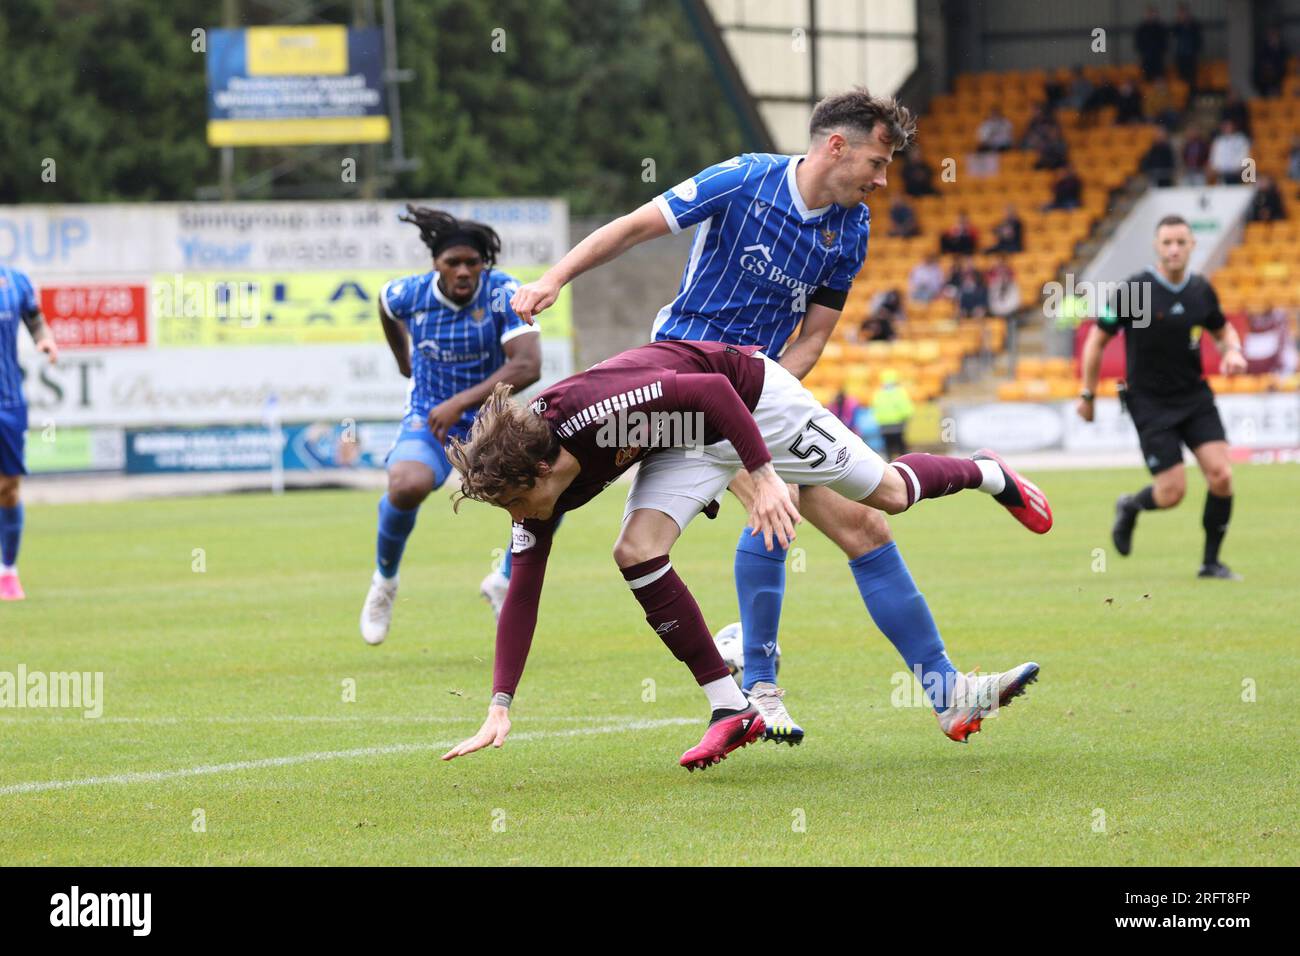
<point x="1030" y="367"/>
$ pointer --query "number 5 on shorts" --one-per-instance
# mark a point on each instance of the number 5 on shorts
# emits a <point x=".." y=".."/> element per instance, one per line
<point x="805" y="451"/>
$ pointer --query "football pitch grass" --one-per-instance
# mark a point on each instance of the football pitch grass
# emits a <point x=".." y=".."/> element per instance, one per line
<point x="226" y="631"/>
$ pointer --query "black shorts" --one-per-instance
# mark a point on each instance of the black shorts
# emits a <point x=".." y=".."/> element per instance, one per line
<point x="1167" y="422"/>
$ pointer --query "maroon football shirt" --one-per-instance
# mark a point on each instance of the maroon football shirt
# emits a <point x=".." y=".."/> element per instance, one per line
<point x="719" y="383"/>
<point x="585" y="410"/>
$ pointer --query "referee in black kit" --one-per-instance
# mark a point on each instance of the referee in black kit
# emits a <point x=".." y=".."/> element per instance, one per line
<point x="1166" y="392"/>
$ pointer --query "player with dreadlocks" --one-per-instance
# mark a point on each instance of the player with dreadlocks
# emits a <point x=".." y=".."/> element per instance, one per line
<point x="454" y="335"/>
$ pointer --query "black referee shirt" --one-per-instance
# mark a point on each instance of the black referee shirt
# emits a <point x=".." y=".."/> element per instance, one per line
<point x="1163" y="342"/>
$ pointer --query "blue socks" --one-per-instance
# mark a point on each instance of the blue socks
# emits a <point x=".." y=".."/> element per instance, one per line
<point x="11" y="532"/>
<point x="887" y="589"/>
<point x="901" y="613"/>
<point x="394" y="527"/>
<point x="760" y="588"/>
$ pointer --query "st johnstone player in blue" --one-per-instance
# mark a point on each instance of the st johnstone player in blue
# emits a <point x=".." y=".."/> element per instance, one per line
<point x="778" y="241"/>
<point x="455" y="336"/>
<point x="18" y="307"/>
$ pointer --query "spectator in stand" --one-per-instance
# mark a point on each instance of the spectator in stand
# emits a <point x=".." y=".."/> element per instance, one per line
<point x="918" y="177"/>
<point x="1054" y="94"/>
<point x="1270" y="63"/>
<point x="954" y="277"/>
<point x="892" y="407"/>
<point x="995" y="134"/>
<point x="1162" y="106"/>
<point x="1009" y="233"/>
<point x="1067" y="191"/>
<point x="1078" y="90"/>
<point x="883" y="318"/>
<point x="1235" y="109"/>
<point x="1004" y="291"/>
<point x="1293" y="162"/>
<point x="1054" y="153"/>
<point x="1158" y="162"/>
<point x="1228" y="153"/>
<point x="1186" y="37"/>
<point x="960" y="238"/>
<point x="972" y="292"/>
<point x="1152" y="40"/>
<point x="1102" y="95"/>
<point x="844" y="407"/>
<point x="902" y="219"/>
<point x="1266" y="206"/>
<point x="925" y="281"/>
<point x="1128" y="104"/>
<point x="1039" y="129"/>
<point x="1196" y="155"/>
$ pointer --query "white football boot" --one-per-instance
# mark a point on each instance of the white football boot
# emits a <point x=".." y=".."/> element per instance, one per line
<point x="493" y="589"/>
<point x="780" y="725"/>
<point x="377" y="613"/>
<point x="976" y="696"/>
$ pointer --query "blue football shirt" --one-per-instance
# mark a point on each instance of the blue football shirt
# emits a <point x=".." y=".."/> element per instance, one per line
<point x="17" y="302"/>
<point x="759" y="252"/>
<point x="453" y="347"/>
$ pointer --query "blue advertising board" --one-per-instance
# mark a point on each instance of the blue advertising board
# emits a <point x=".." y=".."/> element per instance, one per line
<point x="290" y="86"/>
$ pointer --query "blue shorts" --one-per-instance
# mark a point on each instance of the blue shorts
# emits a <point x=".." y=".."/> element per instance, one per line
<point x="416" y="443"/>
<point x="13" y="440"/>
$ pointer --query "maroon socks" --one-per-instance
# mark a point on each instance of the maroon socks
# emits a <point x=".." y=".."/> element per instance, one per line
<point x="672" y="612"/>
<point x="933" y="476"/>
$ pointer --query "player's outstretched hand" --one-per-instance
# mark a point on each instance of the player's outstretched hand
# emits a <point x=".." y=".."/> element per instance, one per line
<point x="1085" y="409"/>
<point x="1234" y="363"/>
<point x="51" y="350"/>
<point x="772" y="512"/>
<point x="494" y="731"/>
<point x="532" y="298"/>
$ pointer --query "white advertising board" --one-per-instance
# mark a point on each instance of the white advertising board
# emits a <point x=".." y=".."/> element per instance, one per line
<point x="83" y="242"/>
<point x="1265" y="420"/>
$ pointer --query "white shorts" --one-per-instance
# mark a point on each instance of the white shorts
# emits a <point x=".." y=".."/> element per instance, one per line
<point x="809" y="446"/>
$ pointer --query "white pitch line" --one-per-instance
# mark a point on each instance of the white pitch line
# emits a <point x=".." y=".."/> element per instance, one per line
<point x="273" y="719"/>
<point x="157" y="776"/>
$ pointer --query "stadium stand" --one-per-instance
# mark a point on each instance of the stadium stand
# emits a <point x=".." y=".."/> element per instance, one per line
<point x="933" y="342"/>
<point x="1259" y="285"/>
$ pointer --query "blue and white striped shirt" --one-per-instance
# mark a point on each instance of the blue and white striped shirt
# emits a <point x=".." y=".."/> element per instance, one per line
<point x="17" y="302"/>
<point x="759" y="252"/>
<point x="453" y="347"/>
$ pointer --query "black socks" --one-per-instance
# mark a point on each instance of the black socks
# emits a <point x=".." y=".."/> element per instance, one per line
<point x="1145" y="500"/>
<point x="1218" y="510"/>
<point x="1215" y="521"/>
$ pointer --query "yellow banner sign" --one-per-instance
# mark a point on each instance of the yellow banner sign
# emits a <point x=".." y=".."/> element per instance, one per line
<point x="288" y="51"/>
<point x="299" y="132"/>
<point x="289" y="308"/>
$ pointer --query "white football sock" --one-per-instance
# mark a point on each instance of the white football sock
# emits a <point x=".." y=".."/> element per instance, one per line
<point x="723" y="694"/>
<point x="8" y="568"/>
<point x="994" y="480"/>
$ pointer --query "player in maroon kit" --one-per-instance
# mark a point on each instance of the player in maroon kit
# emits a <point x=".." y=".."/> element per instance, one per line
<point x="691" y="413"/>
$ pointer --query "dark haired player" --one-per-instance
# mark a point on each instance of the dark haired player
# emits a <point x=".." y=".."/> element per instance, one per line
<point x="778" y="241"/>
<point x="1166" y="392"/>
<point x="579" y="435"/>
<point x="454" y="335"/>
<point x="17" y="304"/>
